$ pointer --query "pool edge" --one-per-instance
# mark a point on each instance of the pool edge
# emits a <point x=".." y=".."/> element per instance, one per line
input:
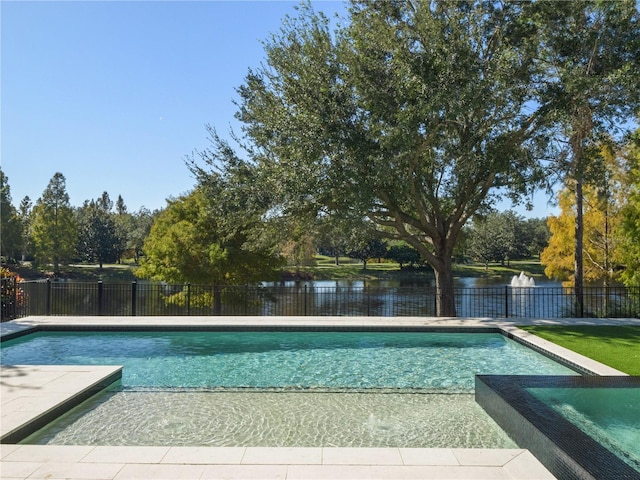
<point x="71" y="386"/>
<point x="563" y="448"/>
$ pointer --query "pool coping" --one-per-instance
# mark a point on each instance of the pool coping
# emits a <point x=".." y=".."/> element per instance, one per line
<point x="493" y="463"/>
<point x="34" y="395"/>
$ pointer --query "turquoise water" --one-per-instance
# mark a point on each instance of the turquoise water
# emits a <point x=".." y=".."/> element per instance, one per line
<point x="282" y="389"/>
<point x="445" y="362"/>
<point x="277" y="419"/>
<point x="611" y="416"/>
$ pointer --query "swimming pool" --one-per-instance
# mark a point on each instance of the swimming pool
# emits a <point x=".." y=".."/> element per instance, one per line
<point x="284" y="388"/>
<point x="444" y="362"/>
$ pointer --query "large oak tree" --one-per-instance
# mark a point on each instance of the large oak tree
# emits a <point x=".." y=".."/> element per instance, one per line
<point x="413" y="115"/>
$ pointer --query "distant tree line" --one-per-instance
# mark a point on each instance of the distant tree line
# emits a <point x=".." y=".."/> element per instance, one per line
<point x="53" y="233"/>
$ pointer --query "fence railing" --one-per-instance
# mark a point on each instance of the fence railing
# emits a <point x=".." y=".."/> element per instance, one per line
<point x="130" y="299"/>
<point x="9" y="298"/>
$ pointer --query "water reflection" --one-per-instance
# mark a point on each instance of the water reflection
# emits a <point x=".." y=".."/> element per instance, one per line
<point x="476" y="296"/>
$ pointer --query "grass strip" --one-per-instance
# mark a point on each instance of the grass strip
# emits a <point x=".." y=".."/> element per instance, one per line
<point x="615" y="346"/>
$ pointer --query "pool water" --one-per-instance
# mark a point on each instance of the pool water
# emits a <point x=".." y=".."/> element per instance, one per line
<point x="444" y="362"/>
<point x="611" y="416"/>
<point x="287" y="389"/>
<point x="277" y="419"/>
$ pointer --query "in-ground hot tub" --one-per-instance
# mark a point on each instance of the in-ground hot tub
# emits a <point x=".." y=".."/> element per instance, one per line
<point x="578" y="427"/>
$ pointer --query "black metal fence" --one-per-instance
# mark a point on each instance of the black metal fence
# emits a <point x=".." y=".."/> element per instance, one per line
<point x="9" y="298"/>
<point x="89" y="299"/>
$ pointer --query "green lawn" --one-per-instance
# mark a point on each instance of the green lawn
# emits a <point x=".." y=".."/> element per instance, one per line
<point x="349" y="268"/>
<point x="616" y="346"/>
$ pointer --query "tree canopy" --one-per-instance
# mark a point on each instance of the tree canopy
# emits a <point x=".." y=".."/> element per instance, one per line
<point x="98" y="237"/>
<point x="53" y="224"/>
<point x="413" y="115"/>
<point x="605" y="199"/>
<point x="10" y="225"/>
<point x="189" y="243"/>
<point x="589" y="54"/>
<point x="631" y="213"/>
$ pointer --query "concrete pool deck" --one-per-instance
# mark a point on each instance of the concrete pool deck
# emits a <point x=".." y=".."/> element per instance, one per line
<point x="29" y="392"/>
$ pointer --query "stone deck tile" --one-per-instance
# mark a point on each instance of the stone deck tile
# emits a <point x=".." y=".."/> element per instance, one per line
<point x="28" y="392"/>
<point x="111" y="463"/>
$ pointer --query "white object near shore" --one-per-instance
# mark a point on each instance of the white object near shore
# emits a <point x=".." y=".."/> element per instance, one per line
<point x="522" y="280"/>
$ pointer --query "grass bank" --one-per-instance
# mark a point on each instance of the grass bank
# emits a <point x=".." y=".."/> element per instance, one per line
<point x="325" y="268"/>
<point x="110" y="273"/>
<point x="615" y="346"/>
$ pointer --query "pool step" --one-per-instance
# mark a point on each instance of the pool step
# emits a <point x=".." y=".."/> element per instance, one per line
<point x="33" y="395"/>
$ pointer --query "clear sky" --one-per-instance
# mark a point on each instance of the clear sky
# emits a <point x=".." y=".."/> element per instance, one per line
<point x="116" y="94"/>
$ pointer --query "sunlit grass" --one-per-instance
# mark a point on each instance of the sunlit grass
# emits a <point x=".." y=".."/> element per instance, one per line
<point x="616" y="346"/>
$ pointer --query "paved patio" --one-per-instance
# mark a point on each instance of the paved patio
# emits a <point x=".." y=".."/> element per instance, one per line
<point x="30" y="392"/>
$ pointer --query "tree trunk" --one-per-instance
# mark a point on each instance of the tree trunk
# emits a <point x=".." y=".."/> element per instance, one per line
<point x="578" y="261"/>
<point x="582" y="127"/>
<point x="445" y="300"/>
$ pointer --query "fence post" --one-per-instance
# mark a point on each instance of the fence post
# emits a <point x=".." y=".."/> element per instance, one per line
<point x="246" y="299"/>
<point x="100" y="297"/>
<point x="14" y="297"/>
<point x="305" y="300"/>
<point x="368" y="296"/>
<point x="134" y="291"/>
<point x="48" y="304"/>
<point x="188" y="299"/>
<point x="506" y="301"/>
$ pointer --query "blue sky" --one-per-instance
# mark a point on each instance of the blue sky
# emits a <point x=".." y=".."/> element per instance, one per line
<point x="116" y="94"/>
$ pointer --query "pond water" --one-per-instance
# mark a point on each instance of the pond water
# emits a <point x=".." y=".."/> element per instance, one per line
<point x="475" y="297"/>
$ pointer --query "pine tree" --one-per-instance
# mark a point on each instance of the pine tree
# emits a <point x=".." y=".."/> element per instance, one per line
<point x="54" y="227"/>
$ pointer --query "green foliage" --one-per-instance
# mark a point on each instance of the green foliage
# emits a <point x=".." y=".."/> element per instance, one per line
<point x="500" y="237"/>
<point x="135" y="228"/>
<point x="10" y="225"/>
<point x="53" y="225"/>
<point x="98" y="236"/>
<point x="365" y="250"/>
<point x="403" y="254"/>
<point x="24" y="214"/>
<point x="190" y="243"/>
<point x="538" y="235"/>
<point x="589" y="62"/>
<point x="589" y="57"/>
<point x="411" y="115"/>
<point x="631" y="214"/>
